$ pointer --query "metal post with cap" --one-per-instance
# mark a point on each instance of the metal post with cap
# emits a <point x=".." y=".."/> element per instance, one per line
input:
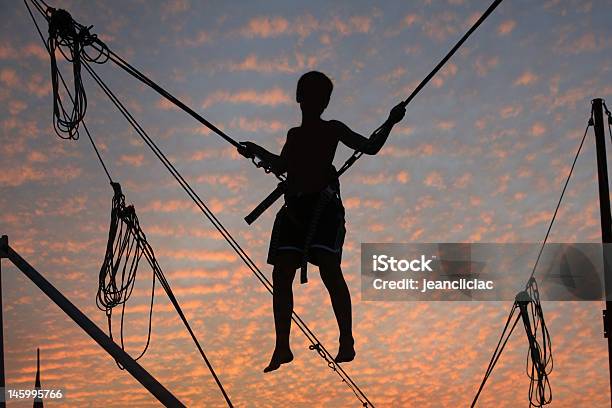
<point x="3" y="254"/>
<point x="606" y="220"/>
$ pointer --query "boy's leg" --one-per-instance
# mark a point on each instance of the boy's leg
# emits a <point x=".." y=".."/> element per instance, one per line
<point x="282" y="278"/>
<point x="331" y="274"/>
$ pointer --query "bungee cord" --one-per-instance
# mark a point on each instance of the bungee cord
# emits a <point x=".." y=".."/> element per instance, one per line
<point x="357" y="154"/>
<point x="539" y="357"/>
<point x="315" y="343"/>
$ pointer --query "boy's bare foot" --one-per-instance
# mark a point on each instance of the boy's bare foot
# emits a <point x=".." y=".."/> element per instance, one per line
<point x="346" y="353"/>
<point x="279" y="357"/>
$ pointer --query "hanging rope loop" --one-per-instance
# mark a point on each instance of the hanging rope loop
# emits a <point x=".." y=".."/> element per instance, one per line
<point x="72" y="40"/>
<point x="126" y="246"/>
<point x="539" y="357"/>
<point x="124" y="250"/>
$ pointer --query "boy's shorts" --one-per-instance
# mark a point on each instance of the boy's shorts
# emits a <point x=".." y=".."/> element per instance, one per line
<point x="293" y="221"/>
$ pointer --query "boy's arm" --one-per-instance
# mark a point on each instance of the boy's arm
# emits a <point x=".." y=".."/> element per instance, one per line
<point x="375" y="142"/>
<point x="275" y="162"/>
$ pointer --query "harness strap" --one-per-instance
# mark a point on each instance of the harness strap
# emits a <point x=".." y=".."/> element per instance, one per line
<point x="324" y="198"/>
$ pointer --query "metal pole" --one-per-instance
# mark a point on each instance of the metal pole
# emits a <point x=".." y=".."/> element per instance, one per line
<point x="3" y="254"/>
<point x="606" y="220"/>
<point x="136" y="370"/>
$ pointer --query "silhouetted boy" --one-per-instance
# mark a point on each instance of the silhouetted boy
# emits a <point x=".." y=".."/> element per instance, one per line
<point x="310" y="226"/>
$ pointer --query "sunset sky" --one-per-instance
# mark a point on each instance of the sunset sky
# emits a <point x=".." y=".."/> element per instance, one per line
<point x="481" y="156"/>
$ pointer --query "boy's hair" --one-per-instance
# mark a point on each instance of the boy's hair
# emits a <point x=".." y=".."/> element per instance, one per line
<point x="314" y="85"/>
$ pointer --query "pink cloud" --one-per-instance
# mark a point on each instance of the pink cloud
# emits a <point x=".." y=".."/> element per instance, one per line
<point x="510" y="111"/>
<point x="506" y="27"/>
<point x="450" y="70"/>
<point x="134" y="160"/>
<point x="271" y="97"/>
<point x="266" y="27"/>
<point x="176" y="6"/>
<point x="9" y="77"/>
<point x="445" y="125"/>
<point x="434" y="179"/>
<point x="538" y="129"/>
<point x="484" y="65"/>
<point x="258" y="125"/>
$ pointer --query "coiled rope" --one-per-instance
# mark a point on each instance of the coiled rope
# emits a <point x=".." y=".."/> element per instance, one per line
<point x="127" y="245"/>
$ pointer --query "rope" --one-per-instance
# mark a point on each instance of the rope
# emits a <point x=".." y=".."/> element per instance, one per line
<point x="124" y="250"/>
<point x="539" y="357"/>
<point x="127" y="244"/>
<point x="71" y="39"/>
<point x="65" y="86"/>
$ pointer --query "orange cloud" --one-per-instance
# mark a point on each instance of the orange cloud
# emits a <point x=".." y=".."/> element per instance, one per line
<point x="265" y="27"/>
<point x="434" y="179"/>
<point x="402" y="177"/>
<point x="510" y="111"/>
<point x="526" y="78"/>
<point x="538" y="129"/>
<point x="506" y="27"/>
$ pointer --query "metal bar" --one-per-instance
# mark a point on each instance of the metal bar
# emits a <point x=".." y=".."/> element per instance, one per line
<point x="266" y="203"/>
<point x="136" y="370"/>
<point x="606" y="218"/>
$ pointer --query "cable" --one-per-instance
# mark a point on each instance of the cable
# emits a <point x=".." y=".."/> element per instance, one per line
<point x="569" y="176"/>
<point x="501" y="344"/>
<point x="357" y="154"/>
<point x="539" y="357"/>
<point x="126" y="245"/>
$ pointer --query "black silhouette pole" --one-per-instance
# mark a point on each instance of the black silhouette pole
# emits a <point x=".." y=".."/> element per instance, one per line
<point x="38" y="402"/>
<point x="136" y="370"/>
<point x="3" y="244"/>
<point x="606" y="219"/>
